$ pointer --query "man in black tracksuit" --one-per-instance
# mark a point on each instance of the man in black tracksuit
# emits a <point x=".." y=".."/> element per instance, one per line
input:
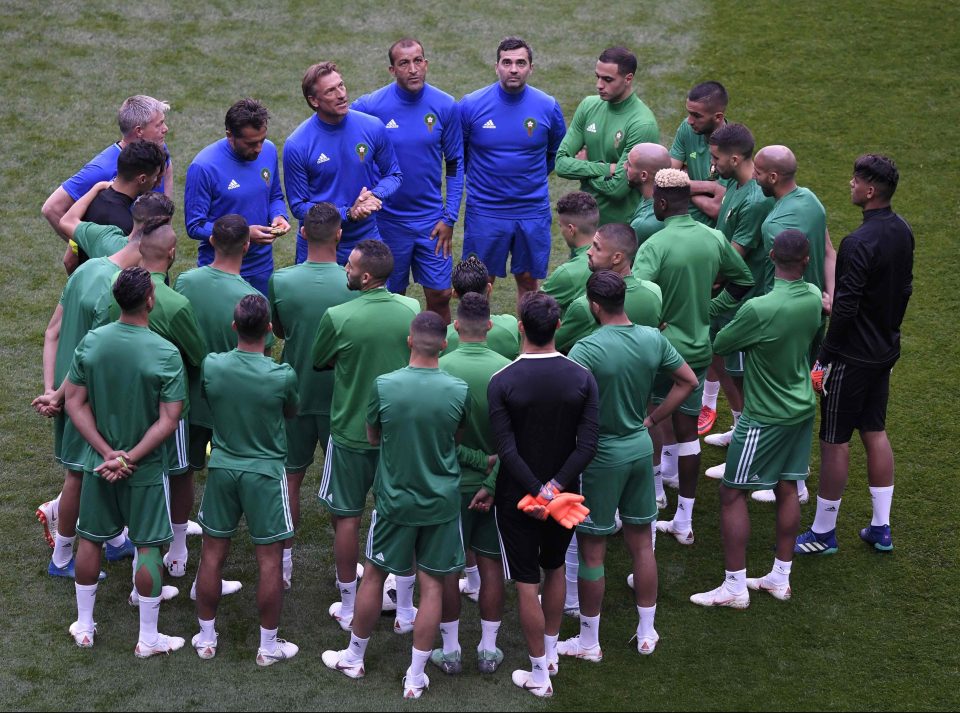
<point x="874" y="282"/>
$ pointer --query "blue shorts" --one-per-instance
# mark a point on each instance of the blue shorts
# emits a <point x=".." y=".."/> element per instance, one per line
<point x="412" y="248"/>
<point x="527" y="241"/>
<point x="259" y="280"/>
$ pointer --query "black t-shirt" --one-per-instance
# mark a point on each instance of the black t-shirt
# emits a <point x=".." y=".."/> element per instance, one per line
<point x="111" y="207"/>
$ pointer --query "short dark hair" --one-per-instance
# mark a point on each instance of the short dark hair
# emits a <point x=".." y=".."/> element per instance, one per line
<point x="473" y="314"/>
<point x="252" y="316"/>
<point x="230" y="233"/>
<point x="608" y="290"/>
<point x="321" y="223"/>
<point x="470" y="275"/>
<point x="402" y="43"/>
<point x="733" y="139"/>
<point x="428" y="331"/>
<point x="508" y="44"/>
<point x="539" y="313"/>
<point x="625" y="60"/>
<point x="131" y="288"/>
<point x="313" y="73"/>
<point x="677" y="197"/>
<point x="790" y="246"/>
<point x="152" y="205"/>
<point x="621" y="237"/>
<point x="582" y="209"/>
<point x="375" y="258"/>
<point x="139" y="157"/>
<point x="880" y="171"/>
<point x="713" y="94"/>
<point x="244" y="113"/>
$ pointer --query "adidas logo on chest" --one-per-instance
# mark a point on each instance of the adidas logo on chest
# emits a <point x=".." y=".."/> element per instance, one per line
<point x="232" y="185"/>
<point x="392" y="124"/>
<point x="489" y="124"/>
<point x="323" y="158"/>
<point x="592" y="129"/>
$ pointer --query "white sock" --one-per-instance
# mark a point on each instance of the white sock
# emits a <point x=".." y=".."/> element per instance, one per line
<point x="645" y="627"/>
<point x="418" y="662"/>
<point x="288" y="555"/>
<point x="538" y="665"/>
<point x="826" y="518"/>
<point x="473" y="578"/>
<point x="589" y="631"/>
<point x="882" y="500"/>
<point x="178" y="548"/>
<point x="208" y="631"/>
<point x="658" y="483"/>
<point x="801" y="488"/>
<point x="668" y="460"/>
<point x="62" y="550"/>
<point x="571" y="570"/>
<point x="710" y="391"/>
<point x="780" y="574"/>
<point x="550" y="646"/>
<point x="684" y="514"/>
<point x="488" y="635"/>
<point x="405" y="597"/>
<point x="348" y="596"/>
<point x="268" y="640"/>
<point x="450" y="633"/>
<point x="735" y="582"/>
<point x="736" y="417"/>
<point x="133" y="568"/>
<point x="118" y="540"/>
<point x="357" y="648"/>
<point x="653" y="535"/>
<point x="149" y="615"/>
<point x="86" y="598"/>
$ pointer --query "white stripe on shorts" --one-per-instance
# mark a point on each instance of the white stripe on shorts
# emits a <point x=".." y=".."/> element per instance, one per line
<point x="503" y="550"/>
<point x="373" y="524"/>
<point x="746" y="455"/>
<point x="327" y="466"/>
<point x="285" y="496"/>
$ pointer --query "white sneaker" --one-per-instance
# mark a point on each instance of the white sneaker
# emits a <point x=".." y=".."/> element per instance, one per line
<point x="345" y="622"/>
<point x="684" y="538"/>
<point x="194" y="529"/>
<point x="471" y="594"/>
<point x="572" y="647"/>
<point x="721" y="440"/>
<point x="414" y="690"/>
<point x="662" y="502"/>
<point x="671" y="481"/>
<point x="763" y="496"/>
<point x="630" y="580"/>
<point x="163" y="645"/>
<point x="715" y="471"/>
<point x="389" y="601"/>
<point x="721" y="597"/>
<point x="524" y="679"/>
<point x="359" y="571"/>
<point x="227" y="587"/>
<point x="166" y="593"/>
<point x="646" y="645"/>
<point x="47" y="515"/>
<point x="83" y="637"/>
<point x="777" y="591"/>
<point x="205" y="649"/>
<point x="404" y="626"/>
<point x="175" y="567"/>
<point x="572" y="611"/>
<point x="553" y="667"/>
<point x="339" y="661"/>
<point x="285" y="650"/>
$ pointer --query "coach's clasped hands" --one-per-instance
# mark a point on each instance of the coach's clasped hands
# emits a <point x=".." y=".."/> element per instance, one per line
<point x="566" y="508"/>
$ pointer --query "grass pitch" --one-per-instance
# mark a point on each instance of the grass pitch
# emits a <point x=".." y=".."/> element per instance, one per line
<point x="864" y="631"/>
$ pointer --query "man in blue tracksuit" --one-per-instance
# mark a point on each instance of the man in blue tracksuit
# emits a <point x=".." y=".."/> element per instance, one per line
<point x="340" y="156"/>
<point x="424" y="126"/>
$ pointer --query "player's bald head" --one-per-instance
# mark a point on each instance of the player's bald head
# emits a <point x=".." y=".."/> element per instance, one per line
<point x="428" y="333"/>
<point x="157" y="241"/>
<point x="777" y="159"/>
<point x="649" y="157"/>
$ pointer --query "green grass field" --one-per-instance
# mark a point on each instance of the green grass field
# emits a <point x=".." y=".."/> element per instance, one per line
<point x="863" y="631"/>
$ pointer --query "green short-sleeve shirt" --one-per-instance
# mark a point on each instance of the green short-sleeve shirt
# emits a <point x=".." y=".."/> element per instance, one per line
<point x="569" y="280"/>
<point x="418" y="412"/>
<point x="800" y="210"/>
<point x="625" y="360"/>
<point x="84" y="308"/>
<point x="644" y="222"/>
<point x="642" y="303"/>
<point x="124" y="389"/>
<point x="99" y="240"/>
<point x="246" y="394"/>
<point x="363" y="338"/>
<point x="742" y="212"/>
<point x="503" y="337"/>
<point x="299" y="297"/>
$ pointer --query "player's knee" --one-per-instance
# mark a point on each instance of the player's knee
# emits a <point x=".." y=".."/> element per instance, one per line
<point x="590" y="574"/>
<point x="150" y="562"/>
<point x="688" y="448"/>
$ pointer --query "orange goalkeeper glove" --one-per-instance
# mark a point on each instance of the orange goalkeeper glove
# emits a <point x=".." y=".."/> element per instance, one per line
<point x="568" y="509"/>
<point x="535" y="507"/>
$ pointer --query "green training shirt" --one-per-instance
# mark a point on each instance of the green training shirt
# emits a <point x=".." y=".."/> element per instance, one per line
<point x="625" y="360"/>
<point x="569" y="280"/>
<point x="742" y="212"/>
<point x="83" y="309"/>
<point x="475" y="363"/>
<point x="214" y="295"/>
<point x="801" y="210"/>
<point x="774" y="331"/>
<point x="125" y="389"/>
<point x="693" y="150"/>
<point x="364" y="338"/>
<point x="608" y="131"/>
<point x="99" y="240"/>
<point x="503" y="337"/>
<point x="246" y="394"/>
<point x="642" y="304"/>
<point x="644" y="222"/>
<point x="419" y="412"/>
<point x="684" y="259"/>
<point x="299" y="297"/>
